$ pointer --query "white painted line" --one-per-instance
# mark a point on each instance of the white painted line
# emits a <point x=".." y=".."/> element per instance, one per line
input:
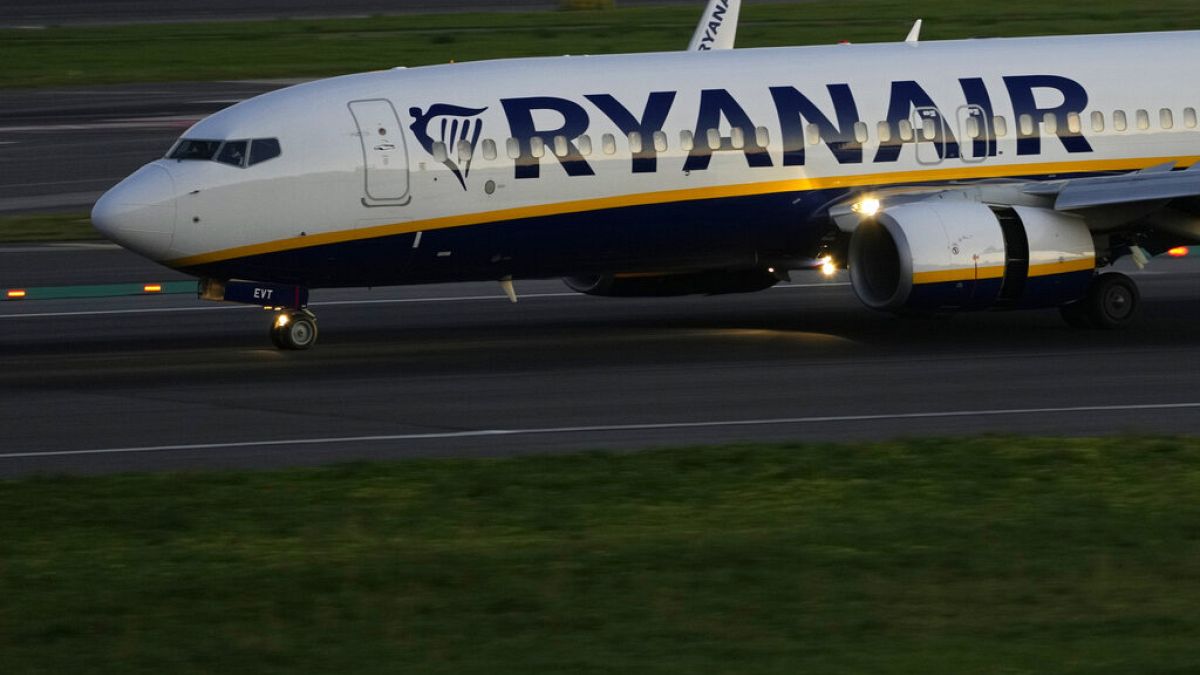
<point x="663" y="426"/>
<point x="328" y="303"/>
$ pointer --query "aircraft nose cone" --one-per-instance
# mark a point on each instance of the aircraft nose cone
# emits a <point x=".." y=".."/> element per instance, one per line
<point x="139" y="212"/>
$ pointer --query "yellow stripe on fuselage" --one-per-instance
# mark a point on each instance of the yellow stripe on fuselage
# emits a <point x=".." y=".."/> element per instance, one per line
<point x="684" y="195"/>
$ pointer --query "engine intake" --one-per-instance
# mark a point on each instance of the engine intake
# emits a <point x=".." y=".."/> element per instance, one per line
<point x="943" y="255"/>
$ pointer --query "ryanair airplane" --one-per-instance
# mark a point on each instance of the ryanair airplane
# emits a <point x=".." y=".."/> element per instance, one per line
<point x="947" y="176"/>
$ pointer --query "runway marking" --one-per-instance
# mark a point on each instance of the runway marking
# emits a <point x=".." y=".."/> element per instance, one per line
<point x="333" y="303"/>
<point x="662" y="426"/>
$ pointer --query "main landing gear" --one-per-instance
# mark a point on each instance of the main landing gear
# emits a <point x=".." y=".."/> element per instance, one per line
<point x="1111" y="302"/>
<point x="294" y="329"/>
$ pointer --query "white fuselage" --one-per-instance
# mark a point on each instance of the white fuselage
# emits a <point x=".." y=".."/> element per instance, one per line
<point x="721" y="139"/>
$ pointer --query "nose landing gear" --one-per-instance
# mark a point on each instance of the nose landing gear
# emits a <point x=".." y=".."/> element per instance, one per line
<point x="294" y="329"/>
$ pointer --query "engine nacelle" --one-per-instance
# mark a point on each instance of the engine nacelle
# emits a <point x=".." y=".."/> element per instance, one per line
<point x="966" y="255"/>
<point x="710" y="282"/>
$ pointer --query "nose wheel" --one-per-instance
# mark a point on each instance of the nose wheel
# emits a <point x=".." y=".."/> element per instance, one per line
<point x="294" y="329"/>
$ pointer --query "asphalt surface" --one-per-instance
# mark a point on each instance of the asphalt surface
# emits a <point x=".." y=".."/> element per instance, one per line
<point x="61" y="148"/>
<point x="171" y="383"/>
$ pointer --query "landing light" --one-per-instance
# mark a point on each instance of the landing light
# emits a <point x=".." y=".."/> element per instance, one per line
<point x="868" y="206"/>
<point x="1178" y="252"/>
<point x="827" y="266"/>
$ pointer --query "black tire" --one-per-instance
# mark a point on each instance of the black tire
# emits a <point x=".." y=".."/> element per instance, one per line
<point x="1112" y="301"/>
<point x="1076" y="315"/>
<point x="298" y="332"/>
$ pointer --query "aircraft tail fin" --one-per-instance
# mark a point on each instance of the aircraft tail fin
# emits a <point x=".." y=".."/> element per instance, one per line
<point x="718" y="26"/>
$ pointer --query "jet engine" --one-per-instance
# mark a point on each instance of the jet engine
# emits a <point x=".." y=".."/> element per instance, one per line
<point x="708" y="282"/>
<point x="964" y="255"/>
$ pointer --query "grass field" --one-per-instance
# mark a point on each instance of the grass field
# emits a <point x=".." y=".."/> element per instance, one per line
<point x="47" y="227"/>
<point x="973" y="556"/>
<point x="196" y="51"/>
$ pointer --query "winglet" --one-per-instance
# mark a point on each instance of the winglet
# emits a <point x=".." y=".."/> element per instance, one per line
<point x="718" y="26"/>
<point x="914" y="35"/>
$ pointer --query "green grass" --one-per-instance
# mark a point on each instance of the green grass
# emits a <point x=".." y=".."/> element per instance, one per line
<point x="47" y="227"/>
<point x="969" y="556"/>
<point x="309" y="48"/>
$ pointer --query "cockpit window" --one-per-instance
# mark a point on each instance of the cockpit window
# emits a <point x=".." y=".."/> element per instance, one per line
<point x="233" y="153"/>
<point x="262" y="149"/>
<point x="193" y="149"/>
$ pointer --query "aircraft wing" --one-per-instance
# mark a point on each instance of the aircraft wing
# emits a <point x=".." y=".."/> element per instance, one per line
<point x="718" y="26"/>
<point x="1152" y="184"/>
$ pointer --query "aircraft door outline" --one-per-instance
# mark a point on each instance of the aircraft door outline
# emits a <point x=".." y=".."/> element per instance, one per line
<point x="978" y="146"/>
<point x="930" y="151"/>
<point x="386" y="180"/>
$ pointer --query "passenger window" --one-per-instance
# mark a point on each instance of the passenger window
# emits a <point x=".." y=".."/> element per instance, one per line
<point x="489" y="149"/>
<point x="192" y="149"/>
<point x="906" y="131"/>
<point x="512" y="148"/>
<point x="465" y="150"/>
<point x="1026" y="123"/>
<point x="660" y="141"/>
<point x="812" y="134"/>
<point x="561" y="147"/>
<point x="439" y="151"/>
<point x="262" y="149"/>
<point x="1189" y="118"/>
<point x="686" y="141"/>
<point x="608" y="143"/>
<point x="1143" y="120"/>
<point x="885" y="132"/>
<point x="635" y="142"/>
<point x="1050" y="122"/>
<point x="584" y="143"/>
<point x="1074" y="124"/>
<point x="233" y="153"/>
<point x="714" y="139"/>
<point x="762" y="137"/>
<point x="1000" y="126"/>
<point x="537" y="147"/>
<point x="860" y="132"/>
<point x="737" y="138"/>
<point x="1097" y="121"/>
<point x="1166" y="119"/>
<point x="972" y="127"/>
<point x="929" y="129"/>
<point x="1119" y="121"/>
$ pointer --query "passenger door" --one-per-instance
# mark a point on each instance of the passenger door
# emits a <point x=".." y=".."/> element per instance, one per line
<point x="385" y="157"/>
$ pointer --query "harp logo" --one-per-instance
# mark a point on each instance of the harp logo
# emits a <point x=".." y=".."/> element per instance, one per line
<point x="457" y="127"/>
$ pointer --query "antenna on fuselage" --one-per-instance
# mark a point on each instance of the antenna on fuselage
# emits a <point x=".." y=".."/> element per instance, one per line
<point x="718" y="26"/>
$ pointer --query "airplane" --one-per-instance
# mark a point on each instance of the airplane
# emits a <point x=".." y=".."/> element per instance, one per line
<point x="947" y="176"/>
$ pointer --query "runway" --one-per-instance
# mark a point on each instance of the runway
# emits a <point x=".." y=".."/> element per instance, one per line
<point x="171" y="383"/>
<point x="62" y="147"/>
